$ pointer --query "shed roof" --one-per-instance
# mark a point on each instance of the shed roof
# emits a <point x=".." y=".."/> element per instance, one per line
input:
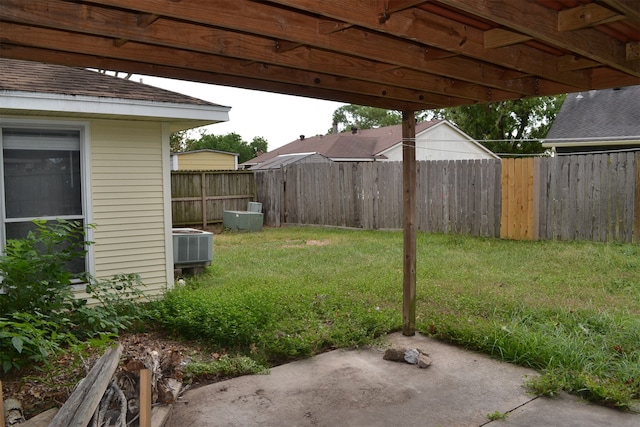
<point x="204" y="150"/>
<point x="287" y="159"/>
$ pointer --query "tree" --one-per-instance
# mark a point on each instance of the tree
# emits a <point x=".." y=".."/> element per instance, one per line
<point x="358" y="116"/>
<point x="349" y="116"/>
<point x="231" y="143"/>
<point x="507" y="126"/>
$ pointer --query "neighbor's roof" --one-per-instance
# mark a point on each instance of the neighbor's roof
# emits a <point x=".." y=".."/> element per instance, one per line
<point x="603" y="115"/>
<point x="287" y="159"/>
<point x="39" y="88"/>
<point x="366" y="144"/>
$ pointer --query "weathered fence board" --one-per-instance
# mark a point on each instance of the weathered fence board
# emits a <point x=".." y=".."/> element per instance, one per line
<point x="200" y="198"/>
<point x="586" y="197"/>
<point x="452" y="196"/>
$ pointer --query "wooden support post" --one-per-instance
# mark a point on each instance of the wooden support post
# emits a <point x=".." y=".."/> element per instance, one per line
<point x="145" y="398"/>
<point x="1" y="407"/>
<point x="409" y="221"/>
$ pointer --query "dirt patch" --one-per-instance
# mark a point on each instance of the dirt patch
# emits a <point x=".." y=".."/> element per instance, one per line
<point x="39" y="389"/>
<point x="306" y="243"/>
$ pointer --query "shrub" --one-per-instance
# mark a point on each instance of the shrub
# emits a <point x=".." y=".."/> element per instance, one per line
<point x="26" y="338"/>
<point x="40" y="314"/>
<point x="35" y="277"/>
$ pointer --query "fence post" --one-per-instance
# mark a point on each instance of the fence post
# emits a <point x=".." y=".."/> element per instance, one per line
<point x="203" y="197"/>
<point x="636" y="220"/>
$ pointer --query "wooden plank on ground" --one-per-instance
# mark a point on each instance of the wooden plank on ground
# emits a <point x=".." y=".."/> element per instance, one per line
<point x="84" y="400"/>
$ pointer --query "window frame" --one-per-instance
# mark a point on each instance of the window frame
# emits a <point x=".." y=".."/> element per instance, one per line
<point x="83" y="129"/>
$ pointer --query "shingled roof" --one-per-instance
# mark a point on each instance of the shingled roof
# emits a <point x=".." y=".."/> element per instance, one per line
<point x="28" y="76"/>
<point x="606" y="115"/>
<point x="365" y="144"/>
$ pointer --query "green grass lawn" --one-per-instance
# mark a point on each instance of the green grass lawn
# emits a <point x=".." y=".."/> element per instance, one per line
<point x="569" y="310"/>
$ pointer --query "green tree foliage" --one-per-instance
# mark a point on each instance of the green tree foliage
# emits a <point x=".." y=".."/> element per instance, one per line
<point x="231" y="143"/>
<point x="361" y="117"/>
<point x="178" y="141"/>
<point x="504" y="127"/>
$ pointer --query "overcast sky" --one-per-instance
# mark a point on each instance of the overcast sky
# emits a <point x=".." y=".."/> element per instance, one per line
<point x="280" y="119"/>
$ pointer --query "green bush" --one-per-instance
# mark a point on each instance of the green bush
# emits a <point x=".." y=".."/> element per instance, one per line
<point x="40" y="314"/>
<point x="35" y="277"/>
<point x="27" y="338"/>
<point x="118" y="306"/>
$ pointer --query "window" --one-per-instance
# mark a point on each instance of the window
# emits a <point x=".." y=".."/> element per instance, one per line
<point x="42" y="179"/>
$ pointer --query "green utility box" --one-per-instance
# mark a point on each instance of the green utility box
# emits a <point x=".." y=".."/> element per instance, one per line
<point x="242" y="220"/>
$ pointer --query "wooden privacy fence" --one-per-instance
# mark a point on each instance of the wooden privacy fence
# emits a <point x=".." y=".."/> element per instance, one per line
<point x="201" y="197"/>
<point x="582" y="197"/>
<point x="452" y="196"/>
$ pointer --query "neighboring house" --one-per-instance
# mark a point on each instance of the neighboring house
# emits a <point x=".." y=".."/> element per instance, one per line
<point x="81" y="145"/>
<point x="290" y="159"/>
<point x="435" y="140"/>
<point x="204" y="160"/>
<point x="597" y="120"/>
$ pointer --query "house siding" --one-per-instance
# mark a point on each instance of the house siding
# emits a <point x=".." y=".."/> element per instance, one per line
<point x="127" y="201"/>
<point x="206" y="161"/>
<point x="441" y="143"/>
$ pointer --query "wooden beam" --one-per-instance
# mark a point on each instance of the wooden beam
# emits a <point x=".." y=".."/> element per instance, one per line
<point x="261" y="18"/>
<point x="633" y="51"/>
<point x="498" y="37"/>
<point x="134" y="51"/>
<point x="629" y="8"/>
<point x="169" y="71"/>
<point x="586" y="15"/>
<point x="67" y="17"/>
<point x="519" y="15"/>
<point x="409" y="222"/>
<point x="434" y="31"/>
<point x="571" y="62"/>
<point x="146" y="19"/>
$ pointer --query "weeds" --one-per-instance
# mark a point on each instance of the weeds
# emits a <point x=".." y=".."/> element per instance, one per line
<point x="569" y="310"/>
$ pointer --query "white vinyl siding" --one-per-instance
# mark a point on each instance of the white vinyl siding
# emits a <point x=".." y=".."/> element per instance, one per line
<point x="442" y="142"/>
<point x="127" y="200"/>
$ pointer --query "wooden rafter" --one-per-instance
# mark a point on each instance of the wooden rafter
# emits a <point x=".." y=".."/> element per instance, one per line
<point x="519" y="16"/>
<point x="403" y="54"/>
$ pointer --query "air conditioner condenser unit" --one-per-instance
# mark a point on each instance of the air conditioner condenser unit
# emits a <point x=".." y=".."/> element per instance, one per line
<point x="192" y="247"/>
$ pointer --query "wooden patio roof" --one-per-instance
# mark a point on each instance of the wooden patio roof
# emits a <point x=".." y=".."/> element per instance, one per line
<point x="397" y="54"/>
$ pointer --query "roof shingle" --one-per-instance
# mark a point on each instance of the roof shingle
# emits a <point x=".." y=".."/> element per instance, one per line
<point x="28" y="76"/>
<point x="610" y="114"/>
